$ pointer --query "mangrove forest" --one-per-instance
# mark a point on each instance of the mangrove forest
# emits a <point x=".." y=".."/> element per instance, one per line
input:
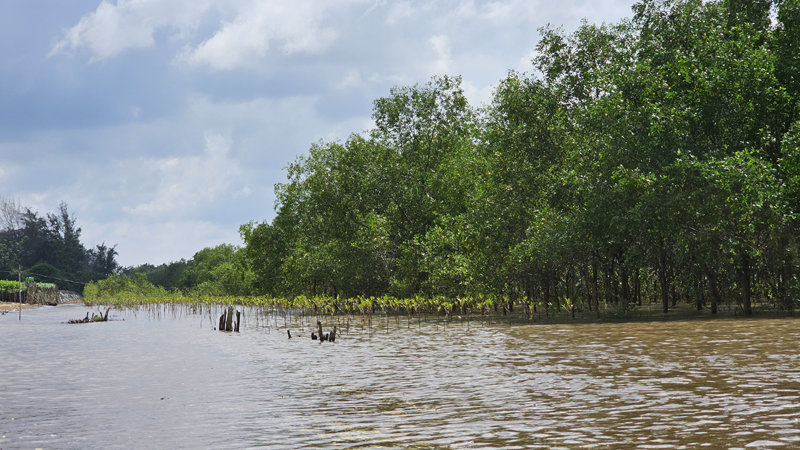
<point x="651" y="161"/>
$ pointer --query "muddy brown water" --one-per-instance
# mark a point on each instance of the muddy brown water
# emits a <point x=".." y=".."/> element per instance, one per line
<point x="165" y="379"/>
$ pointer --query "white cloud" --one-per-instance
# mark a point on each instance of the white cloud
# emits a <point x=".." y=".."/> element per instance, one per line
<point x="188" y="182"/>
<point x="477" y="96"/>
<point x="525" y="64"/>
<point x="129" y="24"/>
<point x="245" y="192"/>
<point x="399" y="12"/>
<point x="351" y="79"/>
<point x="162" y="241"/>
<point x="215" y="180"/>
<point x="180" y="171"/>
<point x="292" y="27"/>
<point x="247" y="31"/>
<point x="441" y="48"/>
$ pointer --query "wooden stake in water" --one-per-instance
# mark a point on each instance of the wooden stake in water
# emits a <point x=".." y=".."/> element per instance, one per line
<point x="19" y="284"/>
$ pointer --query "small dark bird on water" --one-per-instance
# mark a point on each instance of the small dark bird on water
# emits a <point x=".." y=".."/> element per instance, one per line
<point x="289" y="333"/>
<point x="313" y="336"/>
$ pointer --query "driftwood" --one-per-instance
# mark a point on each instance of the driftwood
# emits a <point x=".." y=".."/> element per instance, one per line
<point x="226" y="322"/>
<point x="95" y="318"/>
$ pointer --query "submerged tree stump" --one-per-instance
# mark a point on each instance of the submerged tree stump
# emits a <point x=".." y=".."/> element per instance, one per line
<point x="229" y="319"/>
<point x="324" y="336"/>
<point x="226" y="322"/>
<point x="102" y="317"/>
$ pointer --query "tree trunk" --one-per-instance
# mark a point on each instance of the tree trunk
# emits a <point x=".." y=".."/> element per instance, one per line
<point x="712" y="281"/>
<point x="546" y="292"/>
<point x="746" y="288"/>
<point x="698" y="296"/>
<point x="673" y="292"/>
<point x="664" y="282"/>
<point x="626" y="289"/>
<point x="587" y="294"/>
<point x="786" y="274"/>
<point x="595" y="296"/>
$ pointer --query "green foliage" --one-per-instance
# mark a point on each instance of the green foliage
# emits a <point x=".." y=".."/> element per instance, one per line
<point x="649" y="161"/>
<point x="786" y="44"/>
<point x="120" y="288"/>
<point x="11" y="286"/>
<point x="169" y="276"/>
<point x="49" y="248"/>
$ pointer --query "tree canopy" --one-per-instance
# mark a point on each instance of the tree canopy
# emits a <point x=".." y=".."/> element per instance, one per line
<point x="48" y="248"/>
<point x="655" y="159"/>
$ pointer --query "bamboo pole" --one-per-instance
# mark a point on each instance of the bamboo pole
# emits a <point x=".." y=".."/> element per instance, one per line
<point x="19" y="285"/>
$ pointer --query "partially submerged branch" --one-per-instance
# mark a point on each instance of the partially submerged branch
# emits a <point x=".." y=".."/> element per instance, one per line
<point x="102" y="317"/>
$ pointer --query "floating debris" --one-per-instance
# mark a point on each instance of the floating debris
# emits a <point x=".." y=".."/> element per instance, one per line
<point x="95" y="318"/>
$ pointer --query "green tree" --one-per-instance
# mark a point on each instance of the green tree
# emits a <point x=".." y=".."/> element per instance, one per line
<point x="218" y="270"/>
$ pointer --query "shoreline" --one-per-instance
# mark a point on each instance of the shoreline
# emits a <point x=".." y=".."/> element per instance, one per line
<point x="13" y="306"/>
<point x="8" y="306"/>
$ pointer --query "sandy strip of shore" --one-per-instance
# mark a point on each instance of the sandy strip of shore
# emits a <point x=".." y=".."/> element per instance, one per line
<point x="5" y="306"/>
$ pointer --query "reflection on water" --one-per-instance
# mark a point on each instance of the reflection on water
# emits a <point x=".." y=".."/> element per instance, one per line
<point x="169" y="380"/>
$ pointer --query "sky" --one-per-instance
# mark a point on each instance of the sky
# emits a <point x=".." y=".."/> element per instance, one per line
<point x="165" y="124"/>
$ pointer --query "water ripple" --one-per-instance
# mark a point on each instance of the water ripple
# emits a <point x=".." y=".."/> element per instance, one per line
<point x="164" y="378"/>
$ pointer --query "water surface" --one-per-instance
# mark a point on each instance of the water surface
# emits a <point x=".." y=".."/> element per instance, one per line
<point x="165" y="378"/>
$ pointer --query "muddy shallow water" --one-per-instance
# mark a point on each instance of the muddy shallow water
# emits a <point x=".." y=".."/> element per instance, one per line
<point x="164" y="378"/>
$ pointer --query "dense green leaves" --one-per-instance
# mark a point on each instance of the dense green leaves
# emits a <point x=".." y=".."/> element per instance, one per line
<point x="649" y="160"/>
<point x="49" y="248"/>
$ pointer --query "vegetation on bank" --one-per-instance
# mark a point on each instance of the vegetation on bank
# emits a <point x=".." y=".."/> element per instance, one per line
<point x="28" y="291"/>
<point x="49" y="248"/>
<point x="655" y="160"/>
<point x="133" y="292"/>
<point x="16" y="286"/>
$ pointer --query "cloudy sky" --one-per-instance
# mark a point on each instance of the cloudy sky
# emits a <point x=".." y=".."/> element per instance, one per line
<point x="164" y="124"/>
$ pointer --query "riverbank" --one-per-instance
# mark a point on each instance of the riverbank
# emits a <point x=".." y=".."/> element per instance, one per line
<point x="14" y="306"/>
<point x="7" y="306"/>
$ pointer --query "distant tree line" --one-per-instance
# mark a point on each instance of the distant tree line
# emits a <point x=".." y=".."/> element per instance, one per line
<point x="219" y="270"/>
<point x="652" y="160"/>
<point x="48" y="248"/>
